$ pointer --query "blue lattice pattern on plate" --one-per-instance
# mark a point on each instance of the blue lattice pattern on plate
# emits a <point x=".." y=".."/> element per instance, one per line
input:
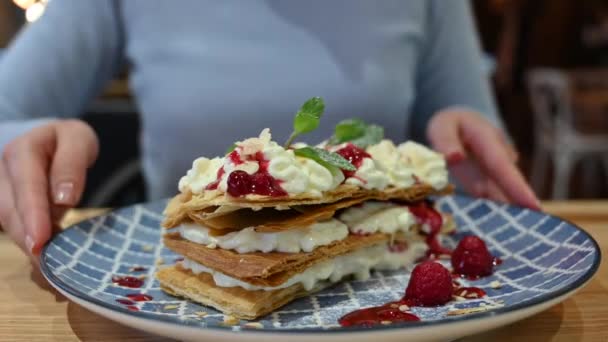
<point x="543" y="256"/>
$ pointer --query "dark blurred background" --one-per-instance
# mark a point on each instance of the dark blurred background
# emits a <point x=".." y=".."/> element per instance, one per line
<point x="549" y="61"/>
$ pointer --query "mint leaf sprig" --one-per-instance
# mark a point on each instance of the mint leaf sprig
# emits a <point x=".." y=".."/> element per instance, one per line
<point x="356" y="131"/>
<point x="307" y="118"/>
<point x="326" y="158"/>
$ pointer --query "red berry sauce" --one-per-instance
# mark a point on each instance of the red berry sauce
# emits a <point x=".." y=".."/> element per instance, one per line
<point x="431" y="284"/>
<point x="425" y="214"/>
<point x="128" y="281"/>
<point x="125" y="301"/>
<point x="471" y="258"/>
<point x="213" y="185"/>
<point x="240" y="183"/>
<point x="134" y="297"/>
<point x="138" y="269"/>
<point x="139" y="297"/>
<point x="354" y="155"/>
<point x="235" y="157"/>
<point x="376" y="315"/>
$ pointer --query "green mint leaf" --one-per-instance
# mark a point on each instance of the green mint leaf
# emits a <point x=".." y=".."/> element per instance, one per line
<point x="308" y="117"/>
<point x="231" y="148"/>
<point x="373" y="135"/>
<point x="326" y="158"/>
<point x="357" y="132"/>
<point x="347" y="130"/>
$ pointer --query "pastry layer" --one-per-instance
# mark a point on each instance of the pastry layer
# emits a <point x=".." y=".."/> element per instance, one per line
<point x="270" y="219"/>
<point x="266" y="269"/>
<point x="358" y="263"/>
<point x="233" y="301"/>
<point x="181" y="207"/>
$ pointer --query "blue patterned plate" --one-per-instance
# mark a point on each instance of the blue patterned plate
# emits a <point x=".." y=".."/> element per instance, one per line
<point x="545" y="260"/>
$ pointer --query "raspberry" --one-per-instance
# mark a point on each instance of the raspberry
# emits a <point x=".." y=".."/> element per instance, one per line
<point x="239" y="183"/>
<point x="472" y="258"/>
<point x="430" y="285"/>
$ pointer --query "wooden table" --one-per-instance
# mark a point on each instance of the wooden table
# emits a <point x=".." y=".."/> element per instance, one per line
<point x="31" y="311"/>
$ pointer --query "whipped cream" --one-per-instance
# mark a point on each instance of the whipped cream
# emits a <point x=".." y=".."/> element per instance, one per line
<point x="398" y="170"/>
<point x="320" y="178"/>
<point x="369" y="176"/>
<point x="203" y="172"/>
<point x="429" y="165"/>
<point x="358" y="263"/>
<point x="388" y="166"/>
<point x="295" y="174"/>
<point x="372" y="217"/>
<point x="294" y="240"/>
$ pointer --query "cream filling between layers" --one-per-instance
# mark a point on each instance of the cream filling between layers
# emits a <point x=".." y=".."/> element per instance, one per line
<point x="358" y="263"/>
<point x="368" y="218"/>
<point x="371" y="217"/>
<point x="294" y="240"/>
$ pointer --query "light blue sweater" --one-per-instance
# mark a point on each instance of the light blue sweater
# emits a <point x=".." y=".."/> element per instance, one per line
<point x="206" y="72"/>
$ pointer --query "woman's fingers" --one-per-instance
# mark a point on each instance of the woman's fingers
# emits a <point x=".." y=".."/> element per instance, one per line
<point x="76" y="149"/>
<point x="489" y="169"/>
<point x="497" y="163"/>
<point x="45" y="172"/>
<point x="476" y="182"/>
<point x="443" y="132"/>
<point x="26" y="161"/>
<point x="9" y="217"/>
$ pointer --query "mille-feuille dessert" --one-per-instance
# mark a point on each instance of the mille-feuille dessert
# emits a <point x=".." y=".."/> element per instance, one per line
<point x="266" y="224"/>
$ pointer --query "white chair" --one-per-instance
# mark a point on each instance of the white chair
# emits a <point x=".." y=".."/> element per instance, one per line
<point x="556" y="136"/>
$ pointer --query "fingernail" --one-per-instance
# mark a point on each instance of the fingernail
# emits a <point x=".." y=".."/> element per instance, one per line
<point x="29" y="244"/>
<point x="454" y="157"/>
<point x="64" y="193"/>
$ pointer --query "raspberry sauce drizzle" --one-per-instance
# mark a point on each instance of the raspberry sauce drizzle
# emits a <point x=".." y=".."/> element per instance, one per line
<point x="134" y="297"/>
<point x="376" y="315"/>
<point x="354" y="155"/>
<point x="128" y="281"/>
<point x="430" y="285"/>
<point x="139" y="297"/>
<point x="425" y="214"/>
<point x="216" y="182"/>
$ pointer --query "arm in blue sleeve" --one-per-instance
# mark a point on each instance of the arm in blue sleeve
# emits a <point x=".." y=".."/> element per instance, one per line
<point x="450" y="68"/>
<point x="56" y="65"/>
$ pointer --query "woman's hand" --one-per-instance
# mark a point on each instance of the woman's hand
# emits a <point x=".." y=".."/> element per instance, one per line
<point x="480" y="157"/>
<point x="42" y="174"/>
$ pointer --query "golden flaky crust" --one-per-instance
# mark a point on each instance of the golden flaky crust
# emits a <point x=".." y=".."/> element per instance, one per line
<point x="233" y="301"/>
<point x="266" y="269"/>
<point x="271" y="220"/>
<point x="214" y="203"/>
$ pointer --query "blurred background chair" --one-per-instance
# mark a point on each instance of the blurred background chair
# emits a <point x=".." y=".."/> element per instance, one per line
<point x="557" y="136"/>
